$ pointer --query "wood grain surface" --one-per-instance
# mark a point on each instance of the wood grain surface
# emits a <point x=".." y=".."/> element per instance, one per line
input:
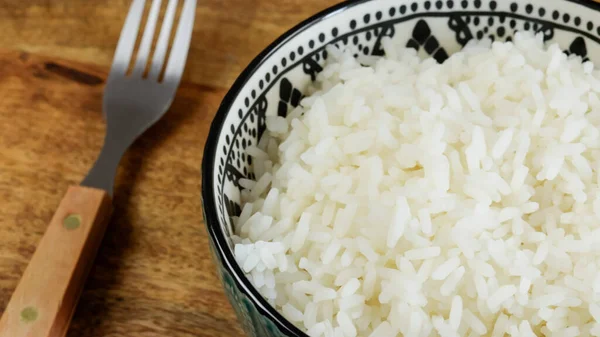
<point x="154" y="275"/>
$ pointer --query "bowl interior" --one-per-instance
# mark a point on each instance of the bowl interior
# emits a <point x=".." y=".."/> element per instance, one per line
<point x="276" y="80"/>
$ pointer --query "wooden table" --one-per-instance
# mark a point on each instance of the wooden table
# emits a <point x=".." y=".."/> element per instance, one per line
<point x="153" y="275"/>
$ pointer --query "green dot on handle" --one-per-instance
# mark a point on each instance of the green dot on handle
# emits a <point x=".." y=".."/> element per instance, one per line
<point x="29" y="315"/>
<point x="72" y="222"/>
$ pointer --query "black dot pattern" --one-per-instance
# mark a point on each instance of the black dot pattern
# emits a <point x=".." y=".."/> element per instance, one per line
<point x="528" y="8"/>
<point x="501" y="31"/>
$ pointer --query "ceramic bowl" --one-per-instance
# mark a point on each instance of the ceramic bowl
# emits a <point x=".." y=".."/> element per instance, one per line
<point x="274" y="83"/>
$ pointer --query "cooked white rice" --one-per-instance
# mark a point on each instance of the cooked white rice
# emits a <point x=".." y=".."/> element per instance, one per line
<point x="421" y="199"/>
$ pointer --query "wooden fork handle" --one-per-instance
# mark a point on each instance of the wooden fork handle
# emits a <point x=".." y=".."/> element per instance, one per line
<point x="45" y="298"/>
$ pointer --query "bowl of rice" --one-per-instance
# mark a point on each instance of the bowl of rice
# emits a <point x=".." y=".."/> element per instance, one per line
<point x="414" y="168"/>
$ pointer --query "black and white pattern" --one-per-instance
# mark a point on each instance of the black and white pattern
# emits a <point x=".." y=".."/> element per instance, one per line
<point x="422" y="37"/>
<point x="578" y="47"/>
<point x="289" y="97"/>
<point x="276" y="85"/>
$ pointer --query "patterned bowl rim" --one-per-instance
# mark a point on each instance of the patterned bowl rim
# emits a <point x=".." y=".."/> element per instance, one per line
<point x="210" y="153"/>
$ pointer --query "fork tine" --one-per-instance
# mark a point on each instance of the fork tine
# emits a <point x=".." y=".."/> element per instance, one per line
<point x="179" y="50"/>
<point x="128" y="38"/>
<point x="144" y="51"/>
<point x="163" y="41"/>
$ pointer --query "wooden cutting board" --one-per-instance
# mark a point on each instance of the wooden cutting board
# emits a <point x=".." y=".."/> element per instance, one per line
<point x="154" y="275"/>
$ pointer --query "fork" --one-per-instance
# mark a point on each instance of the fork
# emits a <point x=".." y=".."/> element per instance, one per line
<point x="47" y="294"/>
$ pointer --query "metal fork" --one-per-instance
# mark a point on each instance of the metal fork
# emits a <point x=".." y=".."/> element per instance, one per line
<point x="47" y="294"/>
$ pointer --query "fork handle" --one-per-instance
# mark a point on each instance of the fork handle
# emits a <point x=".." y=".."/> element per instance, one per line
<point x="45" y="298"/>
